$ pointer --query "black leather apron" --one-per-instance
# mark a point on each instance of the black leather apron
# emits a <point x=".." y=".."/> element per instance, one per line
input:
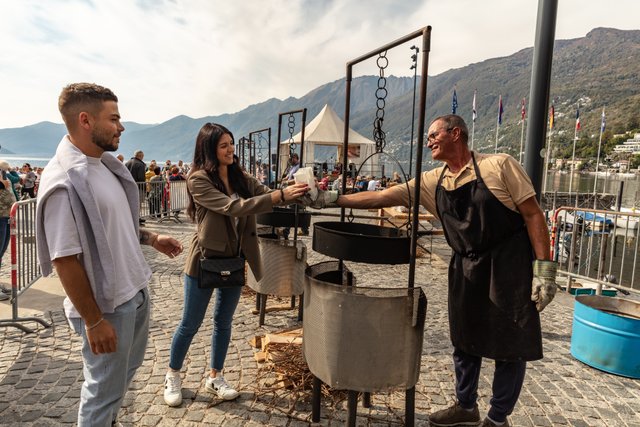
<point x="490" y="309"/>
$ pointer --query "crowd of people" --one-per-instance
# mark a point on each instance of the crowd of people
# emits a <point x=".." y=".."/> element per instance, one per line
<point x="88" y="230"/>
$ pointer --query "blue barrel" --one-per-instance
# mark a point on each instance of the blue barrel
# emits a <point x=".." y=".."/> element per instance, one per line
<point x="606" y="334"/>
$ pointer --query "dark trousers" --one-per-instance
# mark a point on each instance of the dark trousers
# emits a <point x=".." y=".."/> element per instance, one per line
<point x="507" y="383"/>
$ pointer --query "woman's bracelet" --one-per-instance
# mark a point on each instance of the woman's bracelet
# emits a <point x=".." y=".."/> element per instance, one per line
<point x="88" y="328"/>
<point x="282" y="195"/>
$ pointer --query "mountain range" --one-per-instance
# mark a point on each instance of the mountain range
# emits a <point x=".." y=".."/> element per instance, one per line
<point x="599" y="70"/>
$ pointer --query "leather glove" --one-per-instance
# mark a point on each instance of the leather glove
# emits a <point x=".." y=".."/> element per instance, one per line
<point x="325" y="199"/>
<point x="543" y="287"/>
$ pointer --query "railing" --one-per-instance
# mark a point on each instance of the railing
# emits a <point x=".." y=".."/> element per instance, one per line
<point x="597" y="247"/>
<point x="24" y="260"/>
<point x="163" y="200"/>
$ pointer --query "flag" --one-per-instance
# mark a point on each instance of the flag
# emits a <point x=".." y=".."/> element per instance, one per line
<point x="524" y="112"/>
<point x="500" y="111"/>
<point x="454" y="102"/>
<point x="603" y="123"/>
<point x="552" y="114"/>
<point x="475" y="114"/>
<point x="578" y="119"/>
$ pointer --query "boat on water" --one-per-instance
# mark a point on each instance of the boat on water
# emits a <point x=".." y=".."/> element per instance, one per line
<point x="586" y="218"/>
<point x="625" y="220"/>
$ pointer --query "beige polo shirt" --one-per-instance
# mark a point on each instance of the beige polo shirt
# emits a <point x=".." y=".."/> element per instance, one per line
<point x="502" y="174"/>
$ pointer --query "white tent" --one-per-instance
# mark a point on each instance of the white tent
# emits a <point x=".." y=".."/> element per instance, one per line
<point x="328" y="129"/>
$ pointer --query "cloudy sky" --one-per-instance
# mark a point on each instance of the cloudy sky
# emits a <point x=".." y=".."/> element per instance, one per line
<point x="206" y="57"/>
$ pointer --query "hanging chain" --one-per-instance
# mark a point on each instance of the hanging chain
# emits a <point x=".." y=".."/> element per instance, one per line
<point x="292" y="144"/>
<point x="259" y="148"/>
<point x="381" y="94"/>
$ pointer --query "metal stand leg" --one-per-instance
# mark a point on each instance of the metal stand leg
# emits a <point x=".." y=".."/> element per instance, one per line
<point x="257" y="302"/>
<point x="300" y="303"/>
<point x="293" y="301"/>
<point x="315" y="400"/>
<point x="366" y="400"/>
<point x="352" y="407"/>
<point x="410" y="407"/>
<point x="263" y="308"/>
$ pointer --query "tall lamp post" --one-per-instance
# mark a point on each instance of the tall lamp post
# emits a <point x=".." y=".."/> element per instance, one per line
<point x="413" y="67"/>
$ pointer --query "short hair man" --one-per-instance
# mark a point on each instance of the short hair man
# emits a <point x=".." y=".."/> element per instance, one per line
<point x="87" y="228"/>
<point x="493" y="223"/>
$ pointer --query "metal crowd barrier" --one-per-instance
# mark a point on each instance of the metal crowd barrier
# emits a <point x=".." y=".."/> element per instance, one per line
<point x="163" y="200"/>
<point x="24" y="260"/>
<point x="597" y="248"/>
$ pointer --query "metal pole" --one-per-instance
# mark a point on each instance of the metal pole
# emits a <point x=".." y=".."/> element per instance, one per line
<point x="414" y="57"/>
<point x="539" y="93"/>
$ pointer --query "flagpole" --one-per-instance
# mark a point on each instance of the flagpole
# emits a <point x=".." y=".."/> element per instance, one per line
<point x="473" y="117"/>
<point x="523" y="116"/>
<point x="473" y="131"/>
<point x="498" y="122"/>
<point x="521" y="140"/>
<point x="573" y="164"/>
<point x="547" y="158"/>
<point x="595" y="182"/>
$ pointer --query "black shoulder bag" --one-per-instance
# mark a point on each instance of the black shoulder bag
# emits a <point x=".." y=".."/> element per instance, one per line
<point x="222" y="272"/>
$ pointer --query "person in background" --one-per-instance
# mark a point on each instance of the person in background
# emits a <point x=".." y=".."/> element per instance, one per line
<point x="500" y="275"/>
<point x="294" y="166"/>
<point x="87" y="229"/>
<point x="373" y="184"/>
<point x="28" y="182"/>
<point x="156" y="190"/>
<point x="184" y="168"/>
<point x="176" y="174"/>
<point x="166" y="169"/>
<point x="7" y="199"/>
<point x="12" y="175"/>
<point x="150" y="173"/>
<point x="137" y="169"/>
<point x="223" y="201"/>
<point x="120" y="157"/>
<point x="396" y="178"/>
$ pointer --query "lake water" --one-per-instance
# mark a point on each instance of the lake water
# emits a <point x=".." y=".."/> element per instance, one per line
<point x="17" y="160"/>
<point x="607" y="183"/>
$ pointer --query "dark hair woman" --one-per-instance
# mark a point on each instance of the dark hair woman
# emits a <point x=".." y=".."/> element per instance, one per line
<point x="223" y="202"/>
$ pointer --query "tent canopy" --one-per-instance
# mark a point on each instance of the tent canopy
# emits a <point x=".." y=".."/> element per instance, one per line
<point x="327" y="129"/>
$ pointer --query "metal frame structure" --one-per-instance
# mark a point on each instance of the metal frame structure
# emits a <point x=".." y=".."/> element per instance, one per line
<point x="259" y="133"/>
<point x="425" y="34"/>
<point x="302" y="111"/>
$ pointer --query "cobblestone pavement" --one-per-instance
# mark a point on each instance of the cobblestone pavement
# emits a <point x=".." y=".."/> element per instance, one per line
<point x="41" y="373"/>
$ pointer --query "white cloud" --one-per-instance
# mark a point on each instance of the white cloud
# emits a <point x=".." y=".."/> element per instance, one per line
<point x="205" y="57"/>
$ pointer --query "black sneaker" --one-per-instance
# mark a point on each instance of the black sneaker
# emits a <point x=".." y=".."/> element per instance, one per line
<point x="455" y="415"/>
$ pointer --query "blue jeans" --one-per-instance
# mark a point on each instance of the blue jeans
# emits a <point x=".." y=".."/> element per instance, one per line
<point x="5" y="235"/>
<point x="107" y="376"/>
<point x="196" y="301"/>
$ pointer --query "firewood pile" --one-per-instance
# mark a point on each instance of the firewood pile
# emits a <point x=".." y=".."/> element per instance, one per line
<point x="282" y="368"/>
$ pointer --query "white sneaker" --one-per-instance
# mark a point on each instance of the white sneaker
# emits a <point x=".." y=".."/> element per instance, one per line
<point x="173" y="389"/>
<point x="219" y="386"/>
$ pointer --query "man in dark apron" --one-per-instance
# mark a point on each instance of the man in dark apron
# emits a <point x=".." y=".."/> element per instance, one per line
<point x="500" y="275"/>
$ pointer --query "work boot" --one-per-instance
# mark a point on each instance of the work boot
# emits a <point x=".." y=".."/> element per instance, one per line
<point x="455" y="415"/>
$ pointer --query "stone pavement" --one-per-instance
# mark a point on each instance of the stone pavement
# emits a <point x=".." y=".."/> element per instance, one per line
<point x="41" y="373"/>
